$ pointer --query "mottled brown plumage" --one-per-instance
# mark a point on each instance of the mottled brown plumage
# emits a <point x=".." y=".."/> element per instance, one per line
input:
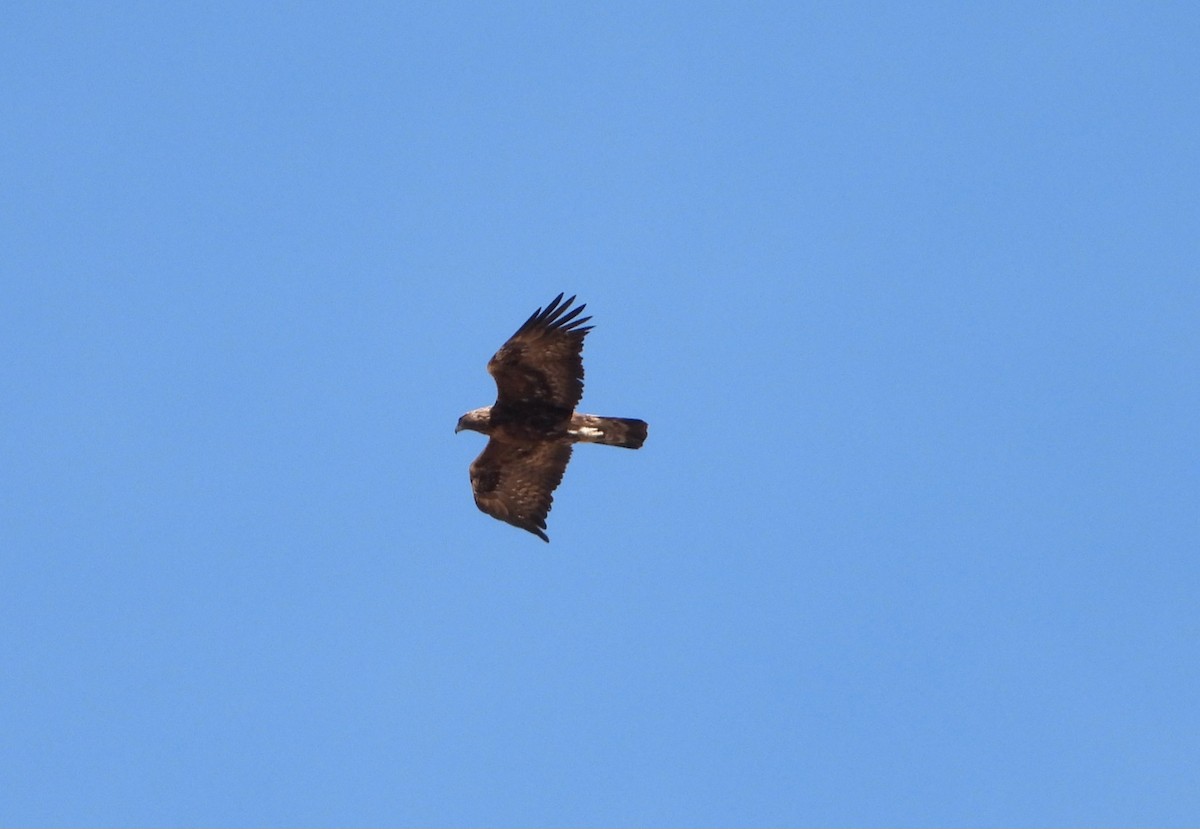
<point x="533" y="424"/>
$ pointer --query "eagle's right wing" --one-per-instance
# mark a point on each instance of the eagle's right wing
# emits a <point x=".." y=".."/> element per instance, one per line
<point x="515" y="482"/>
<point x="542" y="363"/>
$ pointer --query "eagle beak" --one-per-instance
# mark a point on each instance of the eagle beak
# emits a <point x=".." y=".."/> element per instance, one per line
<point x="458" y="427"/>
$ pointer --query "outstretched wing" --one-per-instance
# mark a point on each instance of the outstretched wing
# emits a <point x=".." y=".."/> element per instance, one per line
<point x="542" y="363"/>
<point x="515" y="482"/>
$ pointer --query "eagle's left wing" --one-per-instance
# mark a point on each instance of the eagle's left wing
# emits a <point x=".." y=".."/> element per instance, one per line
<point x="542" y="363"/>
<point x="515" y="482"/>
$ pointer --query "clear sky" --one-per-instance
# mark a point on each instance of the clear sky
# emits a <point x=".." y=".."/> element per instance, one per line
<point x="909" y="295"/>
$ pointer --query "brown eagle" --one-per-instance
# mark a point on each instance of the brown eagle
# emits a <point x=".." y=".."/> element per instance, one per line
<point x="532" y="425"/>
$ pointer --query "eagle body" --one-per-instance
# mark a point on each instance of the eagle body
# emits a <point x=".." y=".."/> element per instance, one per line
<point x="533" y="425"/>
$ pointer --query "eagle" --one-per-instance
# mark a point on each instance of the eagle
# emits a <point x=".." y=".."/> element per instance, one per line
<point x="533" y="423"/>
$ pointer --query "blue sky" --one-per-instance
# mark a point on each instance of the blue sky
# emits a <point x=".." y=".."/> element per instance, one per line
<point x="908" y="295"/>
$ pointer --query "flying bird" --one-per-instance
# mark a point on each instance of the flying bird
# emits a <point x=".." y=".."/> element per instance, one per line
<point x="533" y="424"/>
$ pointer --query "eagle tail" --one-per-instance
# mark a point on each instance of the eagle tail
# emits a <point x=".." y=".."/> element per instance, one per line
<point x="628" y="432"/>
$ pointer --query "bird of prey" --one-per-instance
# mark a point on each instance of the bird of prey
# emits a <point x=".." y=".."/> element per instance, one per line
<point x="533" y="423"/>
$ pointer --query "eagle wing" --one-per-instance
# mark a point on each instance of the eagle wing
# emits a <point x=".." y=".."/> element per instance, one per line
<point x="515" y="481"/>
<point x="542" y="363"/>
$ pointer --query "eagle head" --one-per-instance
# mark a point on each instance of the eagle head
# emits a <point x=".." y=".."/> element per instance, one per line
<point x="477" y="420"/>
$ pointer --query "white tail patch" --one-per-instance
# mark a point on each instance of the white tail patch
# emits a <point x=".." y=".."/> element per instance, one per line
<point x="587" y="433"/>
